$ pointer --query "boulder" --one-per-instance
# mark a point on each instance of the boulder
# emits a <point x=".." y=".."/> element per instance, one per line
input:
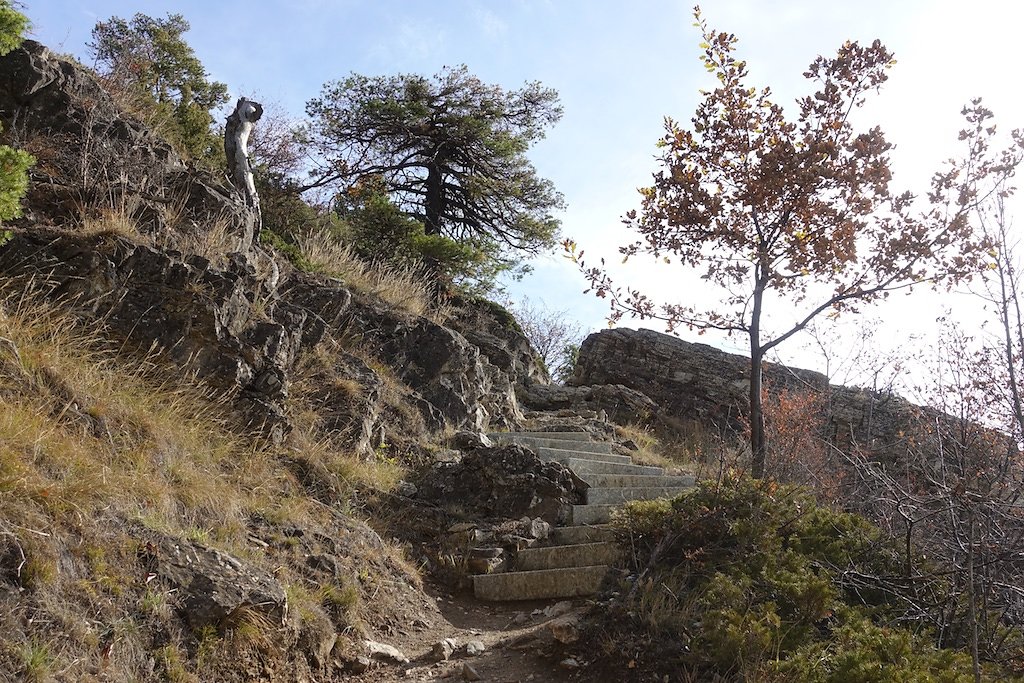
<point x="213" y="585"/>
<point x="507" y="482"/>
<point x="91" y="154"/>
<point x="619" y="403"/>
<point x="685" y="380"/>
<point x="385" y="653"/>
<point x="204" y="320"/>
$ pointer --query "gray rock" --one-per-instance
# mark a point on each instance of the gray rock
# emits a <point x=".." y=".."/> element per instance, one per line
<point x="201" y="318"/>
<point x="213" y="585"/>
<point x="538" y="529"/>
<point x="469" y="673"/>
<point x="360" y="664"/>
<point x="687" y="382"/>
<point x="500" y="338"/>
<point x="443" y="650"/>
<point x="683" y="379"/>
<point x="475" y="648"/>
<point x="503" y="482"/>
<point x="384" y="652"/>
<point x="465" y="440"/>
<point x="620" y="403"/>
<point x="463" y="387"/>
<point x="317" y="638"/>
<point x="564" y="629"/>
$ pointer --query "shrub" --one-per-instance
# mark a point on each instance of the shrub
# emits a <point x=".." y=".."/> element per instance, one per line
<point x="14" y="163"/>
<point x="758" y="575"/>
<point x="378" y="230"/>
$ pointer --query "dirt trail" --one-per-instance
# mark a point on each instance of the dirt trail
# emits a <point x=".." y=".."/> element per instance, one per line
<point x="516" y="637"/>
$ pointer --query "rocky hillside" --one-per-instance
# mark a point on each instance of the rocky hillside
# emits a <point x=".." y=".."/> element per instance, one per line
<point x="201" y="445"/>
<point x="216" y="465"/>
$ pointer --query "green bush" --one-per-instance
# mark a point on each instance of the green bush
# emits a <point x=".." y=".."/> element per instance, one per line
<point x="379" y="230"/>
<point x="14" y="163"/>
<point x="756" y="572"/>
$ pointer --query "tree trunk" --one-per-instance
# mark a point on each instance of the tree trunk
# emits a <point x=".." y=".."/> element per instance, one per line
<point x="435" y="201"/>
<point x="758" y="445"/>
<point x="236" y="149"/>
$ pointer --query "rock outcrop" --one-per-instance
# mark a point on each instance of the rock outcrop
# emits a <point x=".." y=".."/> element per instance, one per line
<point x="619" y="403"/>
<point x="506" y="482"/>
<point x="90" y="153"/>
<point x="213" y="587"/>
<point x="206" y="321"/>
<point x="500" y="338"/>
<point x="686" y="380"/>
<point x="243" y="339"/>
<point x="441" y="365"/>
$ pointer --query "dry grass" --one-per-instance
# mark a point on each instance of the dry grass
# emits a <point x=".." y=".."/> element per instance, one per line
<point x="213" y="240"/>
<point x="114" y="216"/>
<point x="652" y="451"/>
<point x="92" y="446"/>
<point x="408" y="289"/>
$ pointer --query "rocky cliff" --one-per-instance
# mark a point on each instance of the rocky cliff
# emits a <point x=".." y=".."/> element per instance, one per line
<point x="688" y="381"/>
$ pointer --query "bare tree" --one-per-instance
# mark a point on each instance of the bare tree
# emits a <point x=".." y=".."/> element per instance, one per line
<point x="554" y="335"/>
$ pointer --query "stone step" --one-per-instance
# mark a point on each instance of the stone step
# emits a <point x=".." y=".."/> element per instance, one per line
<point x="564" y="436"/>
<point x="619" y="495"/>
<point x="582" y="466"/>
<point x="602" y="481"/>
<point x="534" y="440"/>
<point x="592" y="514"/>
<point x="568" y="535"/>
<point x="559" y="556"/>
<point x="540" y="584"/>
<point x="557" y="453"/>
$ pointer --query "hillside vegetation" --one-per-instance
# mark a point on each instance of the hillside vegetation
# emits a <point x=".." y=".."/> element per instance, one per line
<point x="240" y="445"/>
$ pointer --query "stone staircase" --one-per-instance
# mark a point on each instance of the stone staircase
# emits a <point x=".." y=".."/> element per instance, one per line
<point x="577" y="557"/>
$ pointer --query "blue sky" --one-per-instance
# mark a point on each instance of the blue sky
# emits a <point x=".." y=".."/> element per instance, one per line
<point x="620" y="68"/>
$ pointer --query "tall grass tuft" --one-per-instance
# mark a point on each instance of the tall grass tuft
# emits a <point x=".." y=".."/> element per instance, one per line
<point x="407" y="288"/>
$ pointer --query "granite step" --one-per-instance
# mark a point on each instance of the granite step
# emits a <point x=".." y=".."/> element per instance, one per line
<point x="568" y="535"/>
<point x="619" y="495"/>
<point x="540" y="584"/>
<point x="563" y="556"/>
<point x="540" y="441"/>
<point x="601" y="481"/>
<point x="592" y="514"/>
<point x="585" y="465"/>
<point x="557" y="453"/>
<point x="562" y="436"/>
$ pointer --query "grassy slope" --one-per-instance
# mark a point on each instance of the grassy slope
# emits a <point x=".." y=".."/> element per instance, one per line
<point x="96" y="451"/>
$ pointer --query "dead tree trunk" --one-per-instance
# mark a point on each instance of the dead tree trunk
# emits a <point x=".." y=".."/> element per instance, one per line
<point x="236" y="149"/>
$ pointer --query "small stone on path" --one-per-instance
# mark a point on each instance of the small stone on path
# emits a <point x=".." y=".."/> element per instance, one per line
<point x="569" y="663"/>
<point x="385" y="652"/>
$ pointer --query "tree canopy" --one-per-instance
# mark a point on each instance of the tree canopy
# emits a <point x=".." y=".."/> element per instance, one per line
<point x="149" y="61"/>
<point x="450" y="150"/>
<point x="797" y="214"/>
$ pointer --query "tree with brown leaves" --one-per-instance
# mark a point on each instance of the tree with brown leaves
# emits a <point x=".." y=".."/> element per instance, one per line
<point x="798" y="215"/>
